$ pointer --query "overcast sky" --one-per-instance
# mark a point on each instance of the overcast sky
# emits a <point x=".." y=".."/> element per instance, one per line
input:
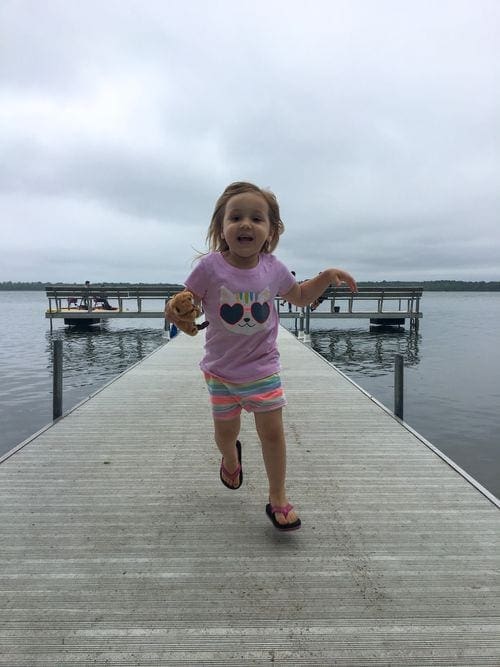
<point x="376" y="123"/>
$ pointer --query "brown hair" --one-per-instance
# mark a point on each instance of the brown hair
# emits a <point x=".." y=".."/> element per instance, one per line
<point x="215" y="241"/>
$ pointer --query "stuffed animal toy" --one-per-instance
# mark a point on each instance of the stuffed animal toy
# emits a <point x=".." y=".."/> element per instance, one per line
<point x="183" y="306"/>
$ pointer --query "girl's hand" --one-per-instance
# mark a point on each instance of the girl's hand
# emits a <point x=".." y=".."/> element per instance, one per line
<point x="338" y="276"/>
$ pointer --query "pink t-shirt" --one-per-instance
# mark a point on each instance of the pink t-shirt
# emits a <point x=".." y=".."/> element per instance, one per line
<point x="240" y="344"/>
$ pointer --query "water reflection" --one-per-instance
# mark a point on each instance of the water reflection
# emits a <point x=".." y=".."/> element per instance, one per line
<point x="95" y="355"/>
<point x="367" y="352"/>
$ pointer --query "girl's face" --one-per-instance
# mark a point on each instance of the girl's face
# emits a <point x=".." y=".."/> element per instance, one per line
<point x="246" y="228"/>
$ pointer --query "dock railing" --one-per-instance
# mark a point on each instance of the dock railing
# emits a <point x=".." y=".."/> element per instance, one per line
<point x="83" y="302"/>
<point x="381" y="305"/>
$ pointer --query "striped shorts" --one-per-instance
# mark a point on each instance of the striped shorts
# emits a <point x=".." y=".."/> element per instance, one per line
<point x="228" y="399"/>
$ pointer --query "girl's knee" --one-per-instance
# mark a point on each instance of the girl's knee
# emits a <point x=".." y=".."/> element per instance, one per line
<point x="269" y="425"/>
<point x="227" y="427"/>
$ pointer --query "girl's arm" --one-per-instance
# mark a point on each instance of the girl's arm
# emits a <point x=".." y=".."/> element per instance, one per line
<point x="302" y="294"/>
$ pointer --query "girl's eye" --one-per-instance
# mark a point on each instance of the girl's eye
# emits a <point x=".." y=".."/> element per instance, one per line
<point x="257" y="219"/>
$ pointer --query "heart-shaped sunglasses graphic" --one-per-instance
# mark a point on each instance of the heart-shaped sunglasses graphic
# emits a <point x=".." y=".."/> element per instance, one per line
<point x="233" y="314"/>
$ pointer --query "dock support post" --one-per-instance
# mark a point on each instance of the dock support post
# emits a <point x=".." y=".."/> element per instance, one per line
<point x="307" y="333"/>
<point x="57" y="379"/>
<point x="301" y="325"/>
<point x="308" y="320"/>
<point x="166" y="325"/>
<point x="398" y="385"/>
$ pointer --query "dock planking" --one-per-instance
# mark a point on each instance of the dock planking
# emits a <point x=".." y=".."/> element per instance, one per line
<point x="120" y="546"/>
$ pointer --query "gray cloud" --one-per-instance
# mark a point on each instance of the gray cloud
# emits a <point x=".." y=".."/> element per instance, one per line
<point x="375" y="124"/>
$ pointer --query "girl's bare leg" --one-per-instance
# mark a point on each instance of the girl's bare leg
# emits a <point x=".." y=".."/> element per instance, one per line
<point x="226" y="434"/>
<point x="269" y="427"/>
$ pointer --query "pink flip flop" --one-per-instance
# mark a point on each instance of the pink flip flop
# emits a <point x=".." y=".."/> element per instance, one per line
<point x="238" y="473"/>
<point x="272" y="510"/>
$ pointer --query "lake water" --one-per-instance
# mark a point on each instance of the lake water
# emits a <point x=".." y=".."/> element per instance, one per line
<point x="452" y="369"/>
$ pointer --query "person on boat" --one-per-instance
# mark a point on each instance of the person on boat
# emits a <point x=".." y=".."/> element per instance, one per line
<point x="100" y="301"/>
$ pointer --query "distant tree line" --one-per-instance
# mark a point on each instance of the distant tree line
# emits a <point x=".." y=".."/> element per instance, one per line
<point x="38" y="286"/>
<point x="24" y="287"/>
<point x="439" y="285"/>
<point x="428" y="285"/>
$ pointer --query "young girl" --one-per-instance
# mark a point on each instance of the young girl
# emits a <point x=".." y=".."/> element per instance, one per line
<point x="237" y="283"/>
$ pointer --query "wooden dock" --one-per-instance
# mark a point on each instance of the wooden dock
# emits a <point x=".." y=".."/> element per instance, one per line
<point x="120" y="546"/>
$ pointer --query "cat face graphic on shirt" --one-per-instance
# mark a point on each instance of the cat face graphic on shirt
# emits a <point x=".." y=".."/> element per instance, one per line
<point x="244" y="312"/>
